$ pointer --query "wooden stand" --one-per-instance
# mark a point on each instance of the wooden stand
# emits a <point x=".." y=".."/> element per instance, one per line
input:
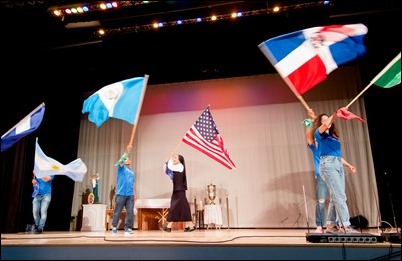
<point x="152" y="214"/>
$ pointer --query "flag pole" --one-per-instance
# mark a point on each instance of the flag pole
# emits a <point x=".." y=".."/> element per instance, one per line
<point x="130" y="144"/>
<point x="138" y="111"/>
<point x="298" y="96"/>
<point x="178" y="145"/>
<point x="352" y="101"/>
<point x="389" y="65"/>
<point x="303" y="102"/>
<point x="29" y="115"/>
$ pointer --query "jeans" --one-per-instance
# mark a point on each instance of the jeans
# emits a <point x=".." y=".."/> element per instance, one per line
<point x="321" y="195"/>
<point x="124" y="201"/>
<point x="331" y="170"/>
<point x="40" y="204"/>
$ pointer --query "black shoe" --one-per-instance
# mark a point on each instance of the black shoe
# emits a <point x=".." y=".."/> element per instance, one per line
<point x="166" y="229"/>
<point x="189" y="229"/>
<point x="38" y="231"/>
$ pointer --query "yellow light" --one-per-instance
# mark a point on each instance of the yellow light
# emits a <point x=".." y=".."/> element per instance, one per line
<point x="57" y="12"/>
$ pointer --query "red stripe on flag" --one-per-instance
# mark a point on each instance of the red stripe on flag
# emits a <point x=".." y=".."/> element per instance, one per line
<point x="214" y="149"/>
<point x="308" y="75"/>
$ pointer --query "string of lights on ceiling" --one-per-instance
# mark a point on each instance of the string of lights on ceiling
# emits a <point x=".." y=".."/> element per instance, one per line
<point x="212" y="18"/>
<point x="101" y="32"/>
<point x="76" y="9"/>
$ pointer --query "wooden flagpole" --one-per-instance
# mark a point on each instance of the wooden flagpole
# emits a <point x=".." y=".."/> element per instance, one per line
<point x="365" y="89"/>
<point x="130" y="144"/>
<point x="376" y="78"/>
<point x="298" y="96"/>
<point x="178" y="145"/>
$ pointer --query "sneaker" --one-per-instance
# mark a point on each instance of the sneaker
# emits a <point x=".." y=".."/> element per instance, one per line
<point x="39" y="231"/>
<point x="128" y="231"/>
<point x="166" y="229"/>
<point x="332" y="229"/>
<point x="114" y="230"/>
<point x="189" y="229"/>
<point x="319" y="229"/>
<point x="350" y="230"/>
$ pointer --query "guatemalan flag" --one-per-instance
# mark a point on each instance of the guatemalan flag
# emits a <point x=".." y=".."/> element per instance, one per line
<point x="121" y="100"/>
<point x="26" y="126"/>
<point x="46" y="166"/>
<point x="305" y="58"/>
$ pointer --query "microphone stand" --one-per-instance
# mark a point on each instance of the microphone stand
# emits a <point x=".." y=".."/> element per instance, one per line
<point x="390" y="200"/>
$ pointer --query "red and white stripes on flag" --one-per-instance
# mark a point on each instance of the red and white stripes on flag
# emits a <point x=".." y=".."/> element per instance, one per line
<point x="204" y="137"/>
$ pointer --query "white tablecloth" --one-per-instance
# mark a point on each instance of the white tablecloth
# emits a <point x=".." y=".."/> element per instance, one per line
<point x="213" y="214"/>
<point x="152" y="203"/>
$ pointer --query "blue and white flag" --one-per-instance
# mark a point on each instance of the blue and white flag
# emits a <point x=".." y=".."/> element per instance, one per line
<point x="120" y="100"/>
<point x="26" y="126"/>
<point x="46" y="166"/>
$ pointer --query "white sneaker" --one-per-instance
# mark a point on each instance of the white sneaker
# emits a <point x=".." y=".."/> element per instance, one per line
<point x="319" y="230"/>
<point x="332" y="229"/>
<point x="128" y="231"/>
<point x="350" y="230"/>
<point x="114" y="230"/>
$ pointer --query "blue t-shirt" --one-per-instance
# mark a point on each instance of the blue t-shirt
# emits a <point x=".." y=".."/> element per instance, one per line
<point x="316" y="157"/>
<point x="45" y="187"/>
<point x="125" y="181"/>
<point x="329" y="145"/>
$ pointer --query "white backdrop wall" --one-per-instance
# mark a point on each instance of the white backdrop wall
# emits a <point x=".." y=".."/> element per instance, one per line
<point x="273" y="185"/>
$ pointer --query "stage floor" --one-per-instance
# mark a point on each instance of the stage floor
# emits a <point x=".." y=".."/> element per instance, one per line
<point x="208" y="243"/>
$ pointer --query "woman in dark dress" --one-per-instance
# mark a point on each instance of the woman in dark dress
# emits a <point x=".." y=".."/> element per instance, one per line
<point x="179" y="210"/>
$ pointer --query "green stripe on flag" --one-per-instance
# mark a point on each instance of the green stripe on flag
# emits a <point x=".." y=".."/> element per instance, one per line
<point x="391" y="74"/>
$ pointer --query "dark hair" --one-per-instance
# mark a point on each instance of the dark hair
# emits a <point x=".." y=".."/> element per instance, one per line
<point x="317" y="123"/>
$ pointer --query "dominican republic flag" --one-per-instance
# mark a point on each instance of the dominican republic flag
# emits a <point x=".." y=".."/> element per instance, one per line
<point x="26" y="126"/>
<point x="46" y="166"/>
<point x="305" y="58"/>
<point x="121" y="100"/>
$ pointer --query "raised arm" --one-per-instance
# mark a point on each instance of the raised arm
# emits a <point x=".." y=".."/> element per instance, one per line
<point x="308" y="123"/>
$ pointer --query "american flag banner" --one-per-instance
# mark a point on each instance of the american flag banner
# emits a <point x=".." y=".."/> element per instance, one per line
<point x="204" y="136"/>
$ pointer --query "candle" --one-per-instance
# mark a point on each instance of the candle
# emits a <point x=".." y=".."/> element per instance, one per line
<point x="199" y="205"/>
